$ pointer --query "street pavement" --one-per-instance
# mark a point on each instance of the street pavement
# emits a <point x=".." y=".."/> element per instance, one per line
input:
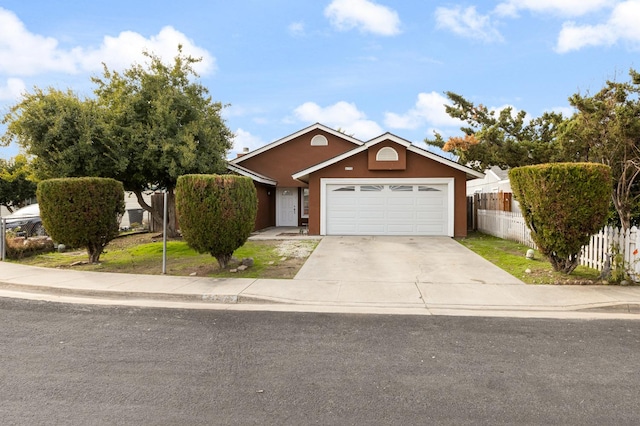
<point x="394" y="275"/>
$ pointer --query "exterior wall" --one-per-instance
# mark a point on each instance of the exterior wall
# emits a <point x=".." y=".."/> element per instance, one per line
<point x="266" y="216"/>
<point x="417" y="166"/>
<point x="280" y="162"/>
<point x="401" y="164"/>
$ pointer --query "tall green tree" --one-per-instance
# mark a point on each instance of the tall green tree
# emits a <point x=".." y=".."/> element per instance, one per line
<point x="17" y="184"/>
<point x="606" y="129"/>
<point x="165" y="125"/>
<point x="504" y="138"/>
<point x="145" y="127"/>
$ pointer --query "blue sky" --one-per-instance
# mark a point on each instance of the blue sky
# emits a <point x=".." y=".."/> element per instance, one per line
<point x="364" y="66"/>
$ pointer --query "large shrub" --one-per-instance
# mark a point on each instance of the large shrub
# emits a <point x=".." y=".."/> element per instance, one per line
<point x="216" y="213"/>
<point x="563" y="204"/>
<point x="82" y="212"/>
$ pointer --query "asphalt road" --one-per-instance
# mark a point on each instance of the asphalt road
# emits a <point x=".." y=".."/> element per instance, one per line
<point x="65" y="364"/>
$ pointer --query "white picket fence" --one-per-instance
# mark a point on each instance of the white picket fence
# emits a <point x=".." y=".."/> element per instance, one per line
<point x="511" y="226"/>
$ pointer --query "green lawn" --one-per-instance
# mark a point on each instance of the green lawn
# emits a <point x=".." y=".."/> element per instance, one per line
<point x="142" y="254"/>
<point x="510" y="256"/>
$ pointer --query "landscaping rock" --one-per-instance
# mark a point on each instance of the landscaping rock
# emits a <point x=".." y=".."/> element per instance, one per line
<point x="530" y="253"/>
<point x="242" y="267"/>
<point x="248" y="262"/>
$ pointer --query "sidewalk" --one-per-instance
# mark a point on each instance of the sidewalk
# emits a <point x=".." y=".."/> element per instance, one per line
<point x="318" y="295"/>
<point x="330" y="287"/>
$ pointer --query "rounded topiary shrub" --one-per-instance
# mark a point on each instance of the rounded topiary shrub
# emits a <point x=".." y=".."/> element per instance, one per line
<point x="82" y="212"/>
<point x="563" y="204"/>
<point x="216" y="213"/>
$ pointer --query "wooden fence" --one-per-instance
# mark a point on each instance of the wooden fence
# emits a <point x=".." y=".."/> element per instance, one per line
<point x="608" y="242"/>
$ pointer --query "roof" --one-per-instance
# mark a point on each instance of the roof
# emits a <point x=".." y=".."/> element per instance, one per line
<point x="251" y="174"/>
<point x="471" y="174"/>
<point x="278" y="142"/>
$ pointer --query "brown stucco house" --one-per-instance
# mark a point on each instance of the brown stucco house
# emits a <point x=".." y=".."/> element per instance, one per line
<point x="338" y="185"/>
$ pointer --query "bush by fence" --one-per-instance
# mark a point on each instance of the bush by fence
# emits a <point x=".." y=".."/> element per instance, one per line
<point x="609" y="242"/>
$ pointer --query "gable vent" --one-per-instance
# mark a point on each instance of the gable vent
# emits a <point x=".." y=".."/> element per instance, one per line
<point x="319" y="140"/>
<point x="387" y="154"/>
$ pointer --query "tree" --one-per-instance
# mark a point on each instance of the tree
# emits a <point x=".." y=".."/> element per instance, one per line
<point x="146" y="126"/>
<point x="217" y="213"/>
<point x="498" y="138"/>
<point x="16" y="182"/>
<point x="606" y="129"/>
<point x="563" y="204"/>
<point x="164" y="124"/>
<point x="82" y="212"/>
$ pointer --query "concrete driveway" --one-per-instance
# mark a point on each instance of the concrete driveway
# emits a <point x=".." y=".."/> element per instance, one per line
<point x="436" y="260"/>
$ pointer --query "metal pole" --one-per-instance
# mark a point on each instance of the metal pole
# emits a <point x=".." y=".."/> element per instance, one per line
<point x="3" y="240"/>
<point x="164" y="235"/>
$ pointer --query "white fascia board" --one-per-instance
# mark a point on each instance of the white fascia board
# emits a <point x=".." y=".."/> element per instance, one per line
<point x="301" y="175"/>
<point x="279" y="142"/>
<point x="251" y="174"/>
<point x="471" y="174"/>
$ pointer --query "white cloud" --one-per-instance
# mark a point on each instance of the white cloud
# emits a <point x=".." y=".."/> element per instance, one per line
<point x="244" y="139"/>
<point x="467" y="23"/>
<point x="560" y="7"/>
<point x="25" y="53"/>
<point x="296" y="29"/>
<point x="13" y="90"/>
<point x="365" y="15"/>
<point x="343" y="115"/>
<point x="622" y="25"/>
<point x="428" y="110"/>
<point x="125" y="49"/>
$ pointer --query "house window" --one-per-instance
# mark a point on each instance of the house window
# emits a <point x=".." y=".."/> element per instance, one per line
<point x="319" y="140"/>
<point x="345" y="188"/>
<point x="305" y="202"/>
<point x="387" y="154"/>
<point x="371" y="188"/>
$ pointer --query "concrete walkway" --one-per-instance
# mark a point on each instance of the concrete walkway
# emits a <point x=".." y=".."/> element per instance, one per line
<point x="469" y="285"/>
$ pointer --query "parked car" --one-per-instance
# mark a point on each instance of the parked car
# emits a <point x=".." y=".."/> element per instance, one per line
<point x="25" y="222"/>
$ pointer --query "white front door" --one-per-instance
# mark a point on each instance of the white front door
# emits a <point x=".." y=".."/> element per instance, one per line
<point x="287" y="207"/>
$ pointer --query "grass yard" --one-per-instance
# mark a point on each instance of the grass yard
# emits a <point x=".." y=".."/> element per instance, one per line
<point x="142" y="254"/>
<point x="510" y="256"/>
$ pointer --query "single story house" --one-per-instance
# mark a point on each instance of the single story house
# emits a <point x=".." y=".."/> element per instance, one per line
<point x="495" y="180"/>
<point x="338" y="185"/>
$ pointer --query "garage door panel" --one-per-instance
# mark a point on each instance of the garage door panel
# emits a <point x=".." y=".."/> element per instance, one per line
<point x="406" y="209"/>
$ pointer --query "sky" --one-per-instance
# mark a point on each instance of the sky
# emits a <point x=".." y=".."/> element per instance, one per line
<point x="364" y="66"/>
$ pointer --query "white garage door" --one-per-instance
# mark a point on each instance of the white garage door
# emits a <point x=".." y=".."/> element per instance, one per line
<point x="387" y="209"/>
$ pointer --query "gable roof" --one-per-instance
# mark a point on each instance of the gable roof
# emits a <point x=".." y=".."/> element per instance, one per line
<point x="308" y="129"/>
<point x="242" y="171"/>
<point x="303" y="175"/>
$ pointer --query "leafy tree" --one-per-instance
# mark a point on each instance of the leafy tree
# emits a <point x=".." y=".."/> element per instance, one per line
<point x="606" y="129"/>
<point x="563" y="204"/>
<point x="498" y="138"/>
<point x="145" y="127"/>
<point x="217" y="213"/>
<point x="16" y="182"/>
<point x="82" y="212"/>
<point x="164" y="125"/>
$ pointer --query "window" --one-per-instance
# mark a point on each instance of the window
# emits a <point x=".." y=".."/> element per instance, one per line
<point x="401" y="188"/>
<point x="387" y="154"/>
<point x="319" y="140"/>
<point x="345" y="188"/>
<point x="371" y="188"/>
<point x="305" y="202"/>
<point x="427" y="188"/>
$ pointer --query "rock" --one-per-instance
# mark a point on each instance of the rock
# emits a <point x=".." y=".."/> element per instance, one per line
<point x="193" y="274"/>
<point x="242" y="267"/>
<point x="248" y="262"/>
<point x="624" y="282"/>
<point x="282" y="259"/>
<point x="271" y="262"/>
<point x="527" y="271"/>
<point x="530" y="253"/>
<point x="233" y="270"/>
<point x="61" y="248"/>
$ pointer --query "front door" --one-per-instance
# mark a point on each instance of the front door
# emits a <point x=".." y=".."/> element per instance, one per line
<point x="287" y="207"/>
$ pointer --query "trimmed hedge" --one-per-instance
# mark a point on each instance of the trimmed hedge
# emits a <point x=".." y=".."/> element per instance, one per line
<point x="82" y="212"/>
<point x="563" y="204"/>
<point x="216" y="213"/>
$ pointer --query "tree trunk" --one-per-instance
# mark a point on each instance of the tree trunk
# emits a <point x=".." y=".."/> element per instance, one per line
<point x="157" y="212"/>
<point x="564" y="265"/>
